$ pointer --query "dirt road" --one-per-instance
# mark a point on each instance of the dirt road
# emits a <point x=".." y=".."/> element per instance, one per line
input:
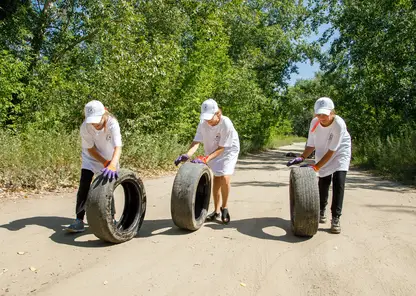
<point x="255" y="255"/>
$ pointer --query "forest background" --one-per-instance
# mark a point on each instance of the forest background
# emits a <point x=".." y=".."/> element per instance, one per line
<point x="152" y="63"/>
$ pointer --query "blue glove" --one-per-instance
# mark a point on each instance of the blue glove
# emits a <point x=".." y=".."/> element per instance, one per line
<point x="181" y="158"/>
<point x="295" y="161"/>
<point x="200" y="159"/>
<point x="110" y="172"/>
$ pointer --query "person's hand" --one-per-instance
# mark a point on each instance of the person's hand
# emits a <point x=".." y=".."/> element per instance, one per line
<point x="200" y="159"/>
<point x="314" y="167"/>
<point x="296" y="160"/>
<point x="181" y="158"/>
<point x="106" y="163"/>
<point x="110" y="172"/>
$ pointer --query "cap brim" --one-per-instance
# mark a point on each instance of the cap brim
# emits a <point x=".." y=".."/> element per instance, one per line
<point x="207" y="116"/>
<point x="94" y="119"/>
<point x="323" y="111"/>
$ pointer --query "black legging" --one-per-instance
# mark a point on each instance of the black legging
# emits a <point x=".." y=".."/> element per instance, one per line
<point x="338" y="187"/>
<point x="84" y="188"/>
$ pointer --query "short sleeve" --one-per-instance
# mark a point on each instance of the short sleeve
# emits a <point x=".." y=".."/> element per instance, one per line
<point x="198" y="136"/>
<point x="226" y="134"/>
<point x="311" y="137"/>
<point x="336" y="136"/>
<point x="87" y="141"/>
<point x="115" y="133"/>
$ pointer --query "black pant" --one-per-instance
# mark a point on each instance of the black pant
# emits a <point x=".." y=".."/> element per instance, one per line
<point x="84" y="188"/>
<point x="338" y="187"/>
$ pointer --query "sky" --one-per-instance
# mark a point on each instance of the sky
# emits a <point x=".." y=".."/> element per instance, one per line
<point x="307" y="70"/>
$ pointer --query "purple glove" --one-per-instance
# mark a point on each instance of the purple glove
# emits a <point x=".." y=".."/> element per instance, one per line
<point x="295" y="161"/>
<point x="181" y="158"/>
<point x="197" y="160"/>
<point x="110" y="172"/>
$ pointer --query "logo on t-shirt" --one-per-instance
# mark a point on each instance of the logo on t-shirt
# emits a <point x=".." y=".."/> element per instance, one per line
<point x="217" y="138"/>
<point x="108" y="137"/>
<point x="330" y="136"/>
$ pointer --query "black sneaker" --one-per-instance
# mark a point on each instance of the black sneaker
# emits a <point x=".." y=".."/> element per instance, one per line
<point x="335" y="225"/>
<point x="322" y="217"/>
<point x="214" y="216"/>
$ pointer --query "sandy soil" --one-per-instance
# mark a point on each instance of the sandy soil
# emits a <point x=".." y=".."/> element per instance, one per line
<point x="256" y="254"/>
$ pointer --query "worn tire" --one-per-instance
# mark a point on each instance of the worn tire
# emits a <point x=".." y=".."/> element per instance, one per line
<point x="99" y="204"/>
<point x="190" y="196"/>
<point x="304" y="201"/>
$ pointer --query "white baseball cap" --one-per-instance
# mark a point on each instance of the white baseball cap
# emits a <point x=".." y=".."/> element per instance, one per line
<point x="208" y="109"/>
<point x="324" y="105"/>
<point x="94" y="111"/>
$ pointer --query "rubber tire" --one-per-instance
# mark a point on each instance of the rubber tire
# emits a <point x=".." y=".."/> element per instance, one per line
<point x="99" y="204"/>
<point x="304" y="201"/>
<point x="191" y="194"/>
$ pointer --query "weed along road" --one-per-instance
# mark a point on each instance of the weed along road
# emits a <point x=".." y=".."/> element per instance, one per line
<point x="255" y="254"/>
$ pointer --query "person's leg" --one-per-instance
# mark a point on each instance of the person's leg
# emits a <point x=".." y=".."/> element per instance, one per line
<point x="216" y="192"/>
<point x="225" y="192"/>
<point x="225" y="189"/>
<point x="323" y="185"/>
<point x="84" y="187"/>
<point x="338" y="188"/>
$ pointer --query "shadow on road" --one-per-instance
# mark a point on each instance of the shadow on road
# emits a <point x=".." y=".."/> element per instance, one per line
<point x="395" y="209"/>
<point x="367" y="181"/>
<point x="259" y="184"/>
<point x="255" y="227"/>
<point x="160" y="227"/>
<point x="59" y="236"/>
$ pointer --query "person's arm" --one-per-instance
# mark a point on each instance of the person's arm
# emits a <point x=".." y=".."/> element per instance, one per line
<point x="214" y="154"/>
<point x="87" y="142"/>
<point x="116" y="156"/>
<point x="310" y="144"/>
<point x="192" y="148"/>
<point x="324" y="159"/>
<point x="226" y="140"/>
<point x="308" y="151"/>
<point x="117" y="142"/>
<point x="94" y="153"/>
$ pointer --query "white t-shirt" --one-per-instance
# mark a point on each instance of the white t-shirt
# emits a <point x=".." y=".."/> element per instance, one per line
<point x="221" y="135"/>
<point x="104" y="140"/>
<point x="334" y="137"/>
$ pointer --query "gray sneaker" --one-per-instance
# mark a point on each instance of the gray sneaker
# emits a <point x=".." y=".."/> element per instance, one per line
<point x="322" y="217"/>
<point x="335" y="225"/>
<point x="77" y="226"/>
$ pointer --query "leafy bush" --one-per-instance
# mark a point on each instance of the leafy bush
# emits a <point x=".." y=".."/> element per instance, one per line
<point x="394" y="156"/>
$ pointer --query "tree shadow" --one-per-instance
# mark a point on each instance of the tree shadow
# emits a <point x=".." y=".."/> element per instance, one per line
<point x="259" y="183"/>
<point x="244" y="163"/>
<point x="263" y="155"/>
<point x="261" y="168"/>
<point x="270" y="159"/>
<point x="59" y="236"/>
<point x="254" y="227"/>
<point x="366" y="181"/>
<point x="395" y="209"/>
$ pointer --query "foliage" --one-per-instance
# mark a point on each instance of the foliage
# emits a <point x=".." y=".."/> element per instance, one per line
<point x="369" y="72"/>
